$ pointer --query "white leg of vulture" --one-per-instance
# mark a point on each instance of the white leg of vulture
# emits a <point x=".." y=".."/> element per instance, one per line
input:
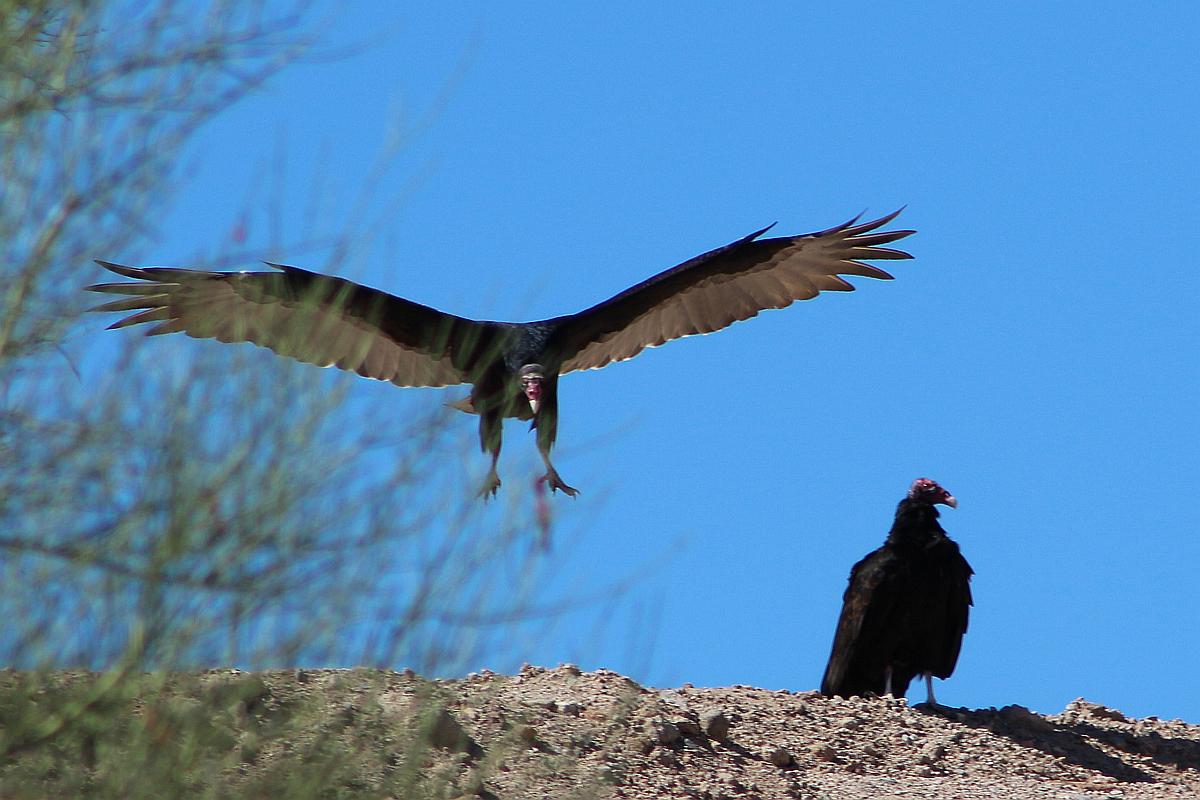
<point x="887" y="681"/>
<point x="929" y="698"/>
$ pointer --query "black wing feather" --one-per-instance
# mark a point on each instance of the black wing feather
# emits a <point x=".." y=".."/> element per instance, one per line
<point x="954" y="605"/>
<point x="313" y="318"/>
<point x="859" y="656"/>
<point x="723" y="286"/>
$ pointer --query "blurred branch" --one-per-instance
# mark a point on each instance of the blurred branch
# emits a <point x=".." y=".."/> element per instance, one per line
<point x="172" y="504"/>
<point x="93" y="111"/>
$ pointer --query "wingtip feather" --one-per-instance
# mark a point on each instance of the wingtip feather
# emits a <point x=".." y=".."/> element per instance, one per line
<point x="285" y="268"/>
<point x="845" y="226"/>
<point x="152" y="315"/>
<point x="866" y="227"/>
<point x="122" y="270"/>
<point x="131" y="303"/>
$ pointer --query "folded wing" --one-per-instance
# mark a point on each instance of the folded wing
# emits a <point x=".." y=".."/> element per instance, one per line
<point x="859" y="655"/>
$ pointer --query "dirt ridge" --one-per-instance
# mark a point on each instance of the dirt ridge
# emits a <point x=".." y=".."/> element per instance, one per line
<point x="565" y="733"/>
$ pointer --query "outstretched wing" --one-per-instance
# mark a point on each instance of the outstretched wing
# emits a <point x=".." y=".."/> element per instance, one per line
<point x="313" y="318"/>
<point x="716" y="289"/>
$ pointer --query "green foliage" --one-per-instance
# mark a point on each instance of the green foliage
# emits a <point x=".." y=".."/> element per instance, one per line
<point x="320" y="734"/>
<point x="96" y="100"/>
<point x="177" y="507"/>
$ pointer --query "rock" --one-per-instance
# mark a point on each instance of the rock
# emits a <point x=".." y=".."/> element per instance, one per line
<point x="823" y="752"/>
<point x="1023" y="717"/>
<point x="571" y="708"/>
<point x="446" y="733"/>
<point x="1104" y="712"/>
<point x="544" y="701"/>
<point x="715" y="724"/>
<point x="472" y="783"/>
<point x="781" y="758"/>
<point x="665" y="733"/>
<point x="931" y="753"/>
<point x="674" y="698"/>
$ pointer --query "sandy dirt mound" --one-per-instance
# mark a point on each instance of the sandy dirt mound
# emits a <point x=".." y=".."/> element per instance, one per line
<point x="563" y="733"/>
<point x="742" y="742"/>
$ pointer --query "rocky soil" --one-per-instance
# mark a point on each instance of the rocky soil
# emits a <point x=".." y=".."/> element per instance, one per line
<point x="742" y="742"/>
<point x="563" y="733"/>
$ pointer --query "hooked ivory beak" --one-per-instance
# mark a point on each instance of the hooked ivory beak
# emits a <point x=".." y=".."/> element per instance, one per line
<point x="532" y="384"/>
<point x="950" y="501"/>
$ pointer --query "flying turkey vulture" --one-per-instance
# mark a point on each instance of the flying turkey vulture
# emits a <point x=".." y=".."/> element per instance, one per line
<point x="514" y="367"/>
<point x="905" y="611"/>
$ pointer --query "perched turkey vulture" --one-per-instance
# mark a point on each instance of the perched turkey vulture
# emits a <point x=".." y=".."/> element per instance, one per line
<point x="905" y="611"/>
<point x="514" y="367"/>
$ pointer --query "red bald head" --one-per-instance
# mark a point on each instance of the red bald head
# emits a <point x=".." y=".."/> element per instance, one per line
<point x="532" y="378"/>
<point x="926" y="490"/>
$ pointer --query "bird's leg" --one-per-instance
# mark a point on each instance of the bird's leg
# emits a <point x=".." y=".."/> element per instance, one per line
<point x="551" y="478"/>
<point x="490" y="430"/>
<point x="929" y="698"/>
<point x="492" y="482"/>
<point x="546" y="421"/>
<point x="887" y="680"/>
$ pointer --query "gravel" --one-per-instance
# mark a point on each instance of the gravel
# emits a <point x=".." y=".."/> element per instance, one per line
<point x="744" y="743"/>
<point x="565" y="733"/>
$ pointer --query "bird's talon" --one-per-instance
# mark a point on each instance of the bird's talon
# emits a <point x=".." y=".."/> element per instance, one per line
<point x="556" y="483"/>
<point x="490" y="485"/>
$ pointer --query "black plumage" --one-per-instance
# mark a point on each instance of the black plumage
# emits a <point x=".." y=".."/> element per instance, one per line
<point x="513" y="367"/>
<point x="905" y="610"/>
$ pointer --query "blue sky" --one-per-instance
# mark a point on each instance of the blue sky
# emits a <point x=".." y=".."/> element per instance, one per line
<point x="1038" y="358"/>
